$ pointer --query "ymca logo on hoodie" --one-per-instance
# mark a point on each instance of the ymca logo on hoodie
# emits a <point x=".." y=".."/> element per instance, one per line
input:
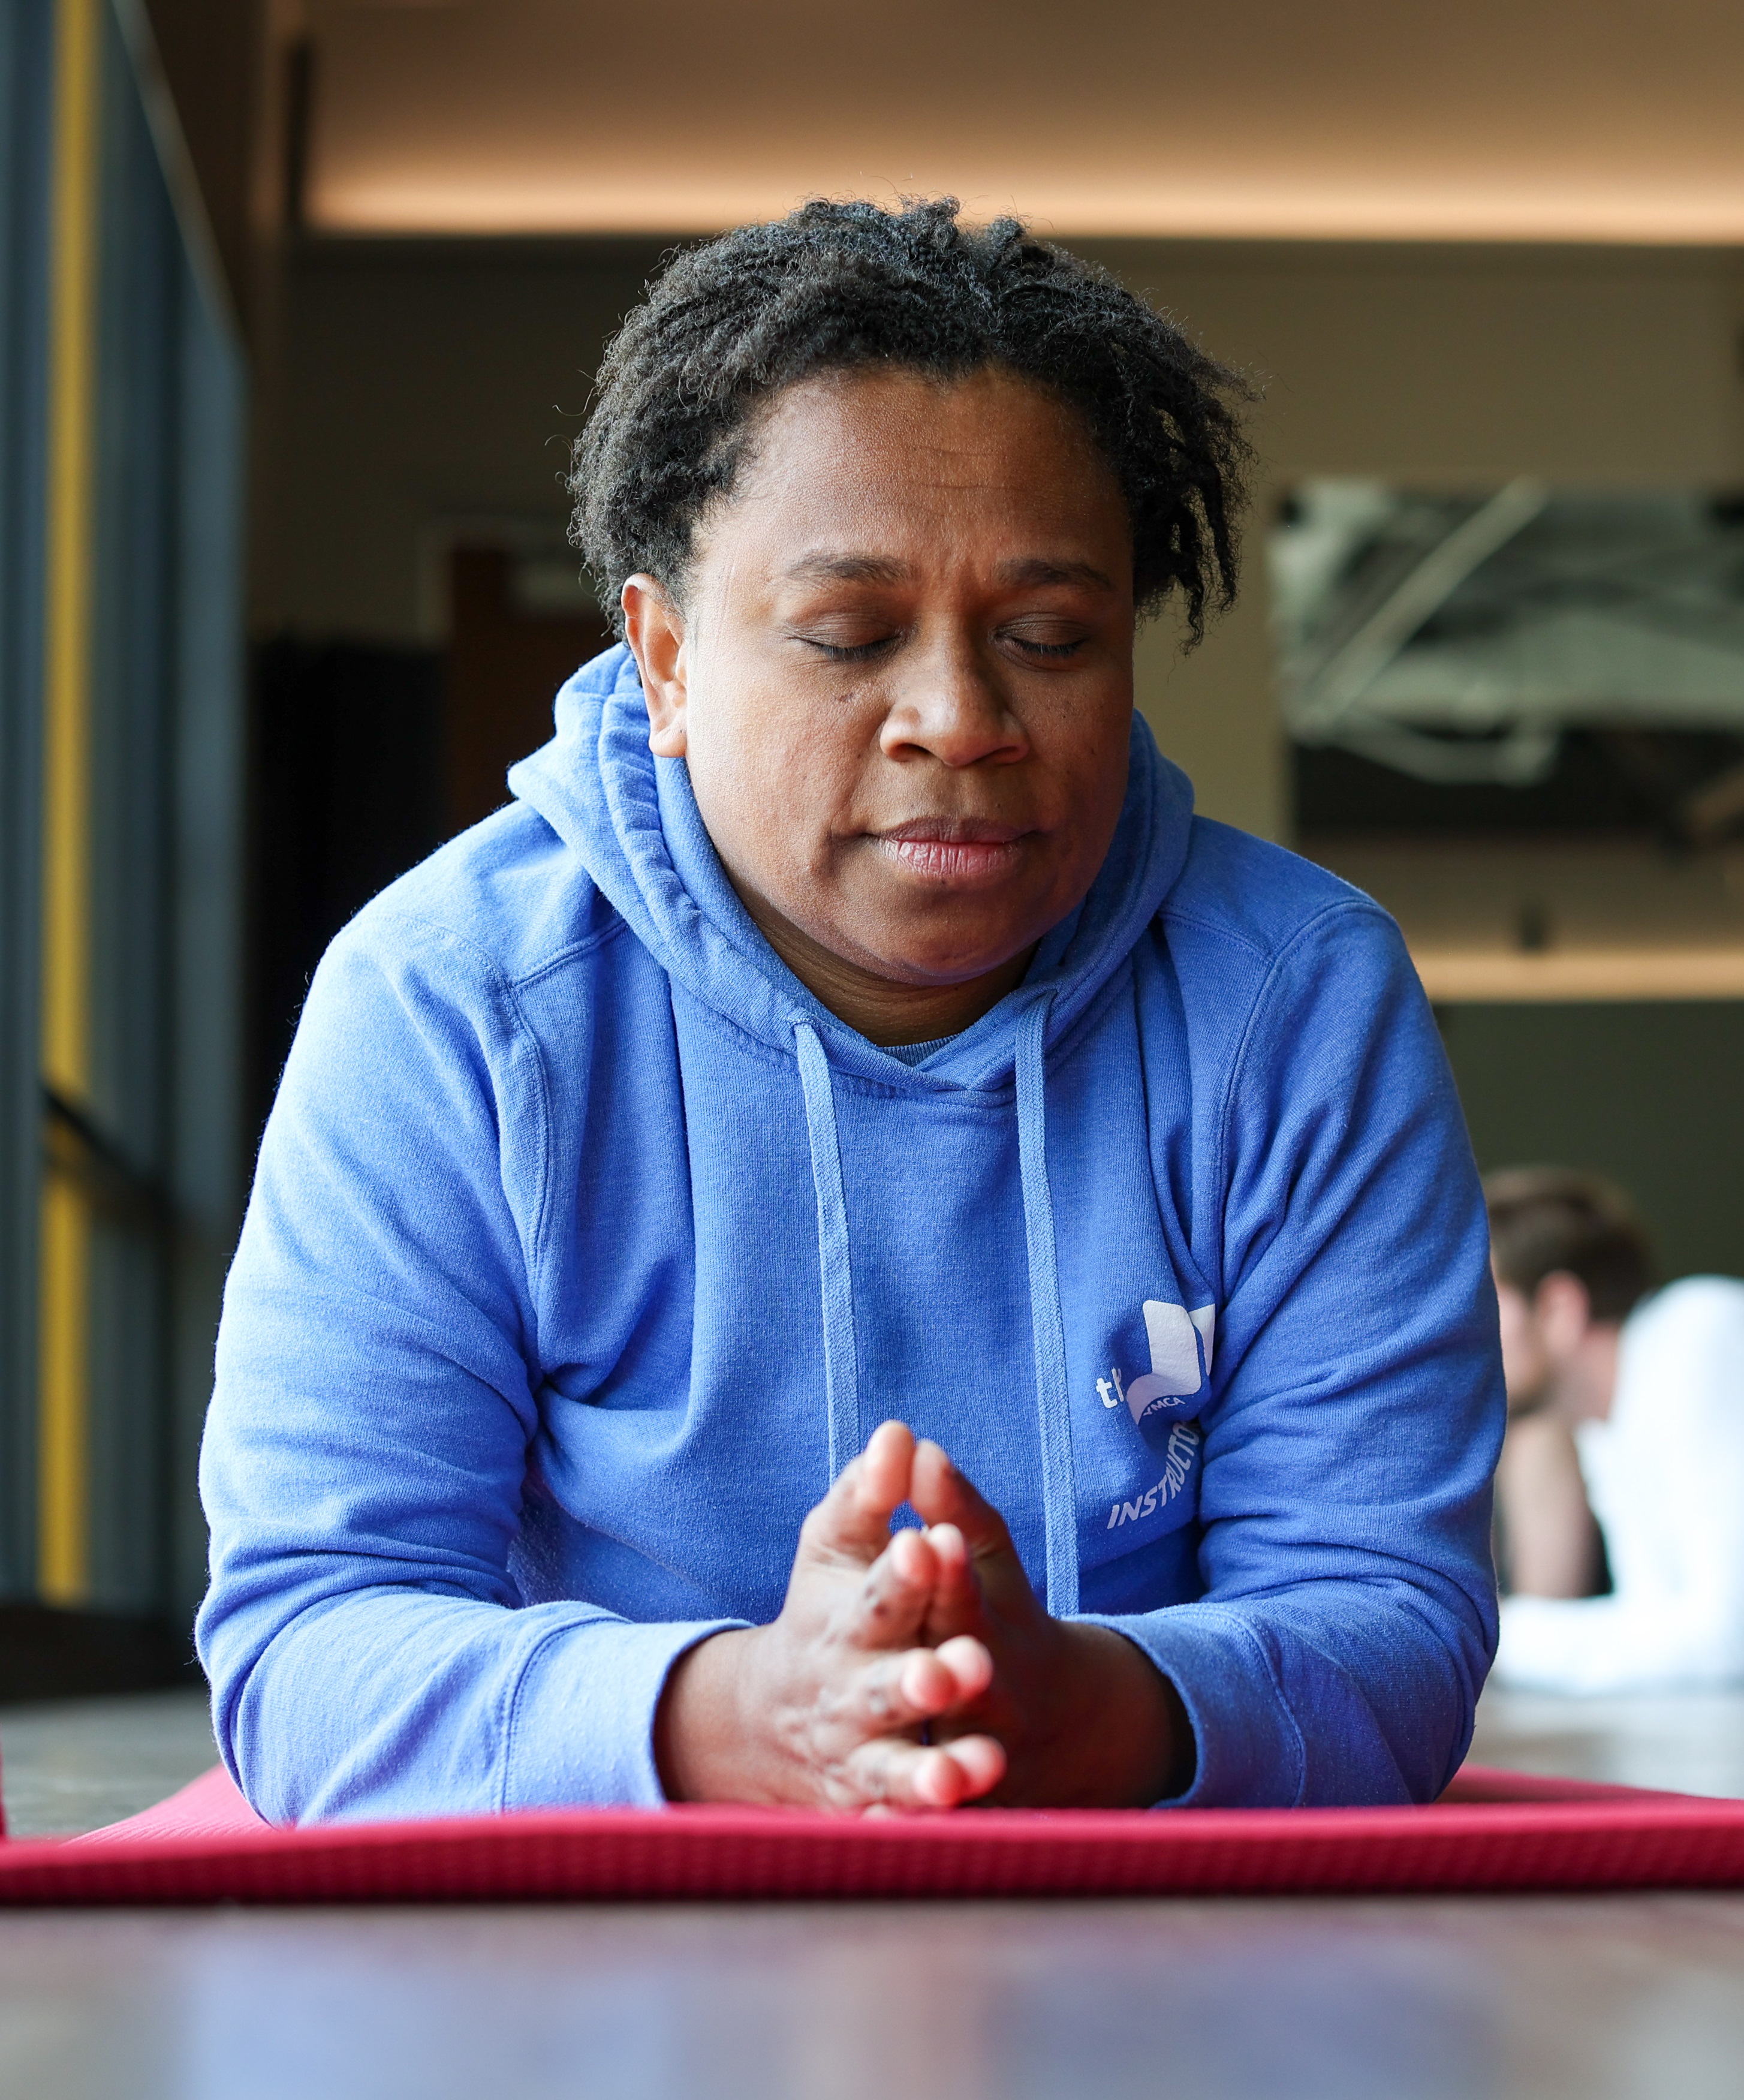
<point x="1181" y="1345"/>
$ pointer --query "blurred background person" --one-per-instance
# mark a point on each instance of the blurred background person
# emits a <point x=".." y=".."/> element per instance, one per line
<point x="1625" y="1448"/>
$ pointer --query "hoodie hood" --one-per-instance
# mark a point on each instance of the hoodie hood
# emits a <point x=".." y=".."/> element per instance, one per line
<point x="633" y="820"/>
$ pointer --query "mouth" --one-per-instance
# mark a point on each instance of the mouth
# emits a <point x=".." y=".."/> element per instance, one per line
<point x="953" y="853"/>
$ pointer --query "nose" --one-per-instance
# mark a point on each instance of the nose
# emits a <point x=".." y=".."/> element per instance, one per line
<point x="952" y="707"/>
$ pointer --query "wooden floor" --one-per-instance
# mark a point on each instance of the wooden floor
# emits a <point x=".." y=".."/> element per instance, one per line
<point x="73" y="1766"/>
<point x="1588" y="1999"/>
<point x="1691" y="1742"/>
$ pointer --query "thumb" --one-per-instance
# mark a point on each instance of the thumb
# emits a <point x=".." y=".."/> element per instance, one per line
<point x="852" y="1521"/>
<point x="942" y="1495"/>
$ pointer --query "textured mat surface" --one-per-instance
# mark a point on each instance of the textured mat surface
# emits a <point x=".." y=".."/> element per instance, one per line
<point x="1493" y="1831"/>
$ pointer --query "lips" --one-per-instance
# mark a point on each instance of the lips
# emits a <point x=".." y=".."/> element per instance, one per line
<point x="953" y="852"/>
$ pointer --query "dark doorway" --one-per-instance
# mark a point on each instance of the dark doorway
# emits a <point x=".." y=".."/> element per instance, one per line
<point x="507" y="657"/>
<point x="347" y="794"/>
<point x="367" y="756"/>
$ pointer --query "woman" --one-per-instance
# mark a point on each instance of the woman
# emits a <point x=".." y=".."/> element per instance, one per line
<point x="850" y="1029"/>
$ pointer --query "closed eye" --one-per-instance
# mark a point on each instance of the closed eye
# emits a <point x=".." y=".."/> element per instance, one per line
<point x="858" y="652"/>
<point x="1057" y="650"/>
<point x="865" y="652"/>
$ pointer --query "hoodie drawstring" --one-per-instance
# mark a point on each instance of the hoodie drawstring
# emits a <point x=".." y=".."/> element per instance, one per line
<point x="1048" y="1330"/>
<point x="841" y="1353"/>
<point x="1059" y="1499"/>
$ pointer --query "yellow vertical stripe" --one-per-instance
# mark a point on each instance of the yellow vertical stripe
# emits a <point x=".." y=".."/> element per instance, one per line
<point x="63" y="1554"/>
<point x="64" y="1528"/>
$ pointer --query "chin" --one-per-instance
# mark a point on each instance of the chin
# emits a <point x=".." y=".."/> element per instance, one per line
<point x="939" y="938"/>
<point x="924" y="967"/>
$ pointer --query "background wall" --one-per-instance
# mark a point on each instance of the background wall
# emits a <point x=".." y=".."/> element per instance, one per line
<point x="425" y="381"/>
<point x="1647" y="1094"/>
<point x="431" y="379"/>
<point x="1440" y="366"/>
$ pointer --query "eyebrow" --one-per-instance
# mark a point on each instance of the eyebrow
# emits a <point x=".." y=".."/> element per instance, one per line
<point x="1038" y="569"/>
<point x="849" y="569"/>
<point x="1031" y="571"/>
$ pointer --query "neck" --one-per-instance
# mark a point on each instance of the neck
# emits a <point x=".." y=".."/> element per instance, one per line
<point x="882" y="1009"/>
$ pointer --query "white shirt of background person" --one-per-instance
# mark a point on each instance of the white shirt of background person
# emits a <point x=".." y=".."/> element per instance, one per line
<point x="1661" y="1441"/>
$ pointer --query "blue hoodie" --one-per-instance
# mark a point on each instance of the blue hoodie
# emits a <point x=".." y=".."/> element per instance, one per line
<point x="586" y="1247"/>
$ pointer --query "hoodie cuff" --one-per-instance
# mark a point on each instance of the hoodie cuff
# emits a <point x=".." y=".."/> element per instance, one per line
<point x="581" y="1723"/>
<point x="1249" y="1750"/>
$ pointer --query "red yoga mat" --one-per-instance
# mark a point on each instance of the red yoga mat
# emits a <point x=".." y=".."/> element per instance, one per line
<point x="1492" y="1830"/>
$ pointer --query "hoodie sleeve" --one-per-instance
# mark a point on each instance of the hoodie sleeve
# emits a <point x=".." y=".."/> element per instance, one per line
<point x="366" y="1445"/>
<point x="1348" y="1615"/>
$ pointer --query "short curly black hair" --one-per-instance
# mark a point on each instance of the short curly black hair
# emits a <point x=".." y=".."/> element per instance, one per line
<point x="836" y="285"/>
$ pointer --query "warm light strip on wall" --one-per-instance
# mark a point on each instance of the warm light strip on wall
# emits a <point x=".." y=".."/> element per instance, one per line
<point x="1289" y="204"/>
<point x="1486" y="975"/>
<point x="62" y="1554"/>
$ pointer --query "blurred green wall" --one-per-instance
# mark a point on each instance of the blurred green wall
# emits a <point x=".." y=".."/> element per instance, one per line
<point x="1651" y="1096"/>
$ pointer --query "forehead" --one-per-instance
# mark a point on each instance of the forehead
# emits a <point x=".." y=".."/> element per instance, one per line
<point x="902" y="463"/>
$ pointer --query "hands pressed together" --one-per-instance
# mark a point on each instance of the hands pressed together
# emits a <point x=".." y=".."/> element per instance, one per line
<point x="917" y="1671"/>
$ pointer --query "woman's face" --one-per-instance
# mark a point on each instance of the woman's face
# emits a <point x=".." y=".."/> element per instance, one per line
<point x="902" y="672"/>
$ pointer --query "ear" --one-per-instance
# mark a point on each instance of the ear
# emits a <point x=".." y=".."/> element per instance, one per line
<point x="1563" y="1311"/>
<point x="655" y="629"/>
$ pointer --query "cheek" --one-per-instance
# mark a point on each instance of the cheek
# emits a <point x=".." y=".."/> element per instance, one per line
<point x="1088" y="755"/>
<point x="742" y="730"/>
<point x="775" y="771"/>
<point x="1520" y="1353"/>
<point x="1087" y="727"/>
<point x="759" y="711"/>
